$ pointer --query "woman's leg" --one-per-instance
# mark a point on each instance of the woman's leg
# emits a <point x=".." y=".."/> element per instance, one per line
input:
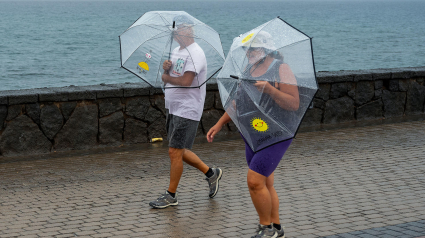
<point x="274" y="199"/>
<point x="260" y="196"/>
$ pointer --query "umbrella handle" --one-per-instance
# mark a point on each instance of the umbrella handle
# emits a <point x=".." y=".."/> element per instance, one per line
<point x="171" y="41"/>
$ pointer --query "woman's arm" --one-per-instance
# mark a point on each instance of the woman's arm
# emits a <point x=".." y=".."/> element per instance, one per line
<point x="286" y="95"/>
<point x="217" y="127"/>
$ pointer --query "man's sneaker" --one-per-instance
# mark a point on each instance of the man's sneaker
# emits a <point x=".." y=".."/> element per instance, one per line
<point x="280" y="232"/>
<point x="213" y="181"/>
<point x="164" y="201"/>
<point x="265" y="232"/>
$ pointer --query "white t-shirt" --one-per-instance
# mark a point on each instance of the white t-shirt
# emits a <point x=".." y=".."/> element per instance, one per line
<point x="187" y="102"/>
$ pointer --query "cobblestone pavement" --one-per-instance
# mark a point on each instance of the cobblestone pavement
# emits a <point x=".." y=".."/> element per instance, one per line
<point x="355" y="182"/>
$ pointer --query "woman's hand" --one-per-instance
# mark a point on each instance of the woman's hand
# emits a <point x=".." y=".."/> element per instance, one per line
<point x="213" y="131"/>
<point x="263" y="86"/>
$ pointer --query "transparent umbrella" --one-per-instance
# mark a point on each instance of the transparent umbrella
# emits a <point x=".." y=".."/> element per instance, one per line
<point x="153" y="38"/>
<point x="267" y="82"/>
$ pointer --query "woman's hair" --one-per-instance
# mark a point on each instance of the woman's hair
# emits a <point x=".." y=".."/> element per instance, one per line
<point x="275" y="54"/>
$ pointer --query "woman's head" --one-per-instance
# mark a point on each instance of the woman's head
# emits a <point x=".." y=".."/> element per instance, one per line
<point x="260" y="46"/>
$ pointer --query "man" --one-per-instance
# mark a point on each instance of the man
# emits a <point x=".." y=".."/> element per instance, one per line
<point x="186" y="68"/>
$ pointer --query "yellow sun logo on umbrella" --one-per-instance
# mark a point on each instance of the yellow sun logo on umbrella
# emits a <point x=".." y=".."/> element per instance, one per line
<point x="259" y="125"/>
<point x="247" y="38"/>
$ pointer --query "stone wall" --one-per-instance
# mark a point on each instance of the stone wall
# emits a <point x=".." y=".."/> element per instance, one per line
<point x="44" y="120"/>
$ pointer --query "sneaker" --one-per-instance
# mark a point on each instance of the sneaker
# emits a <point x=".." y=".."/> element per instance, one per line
<point x="164" y="201"/>
<point x="265" y="232"/>
<point x="213" y="181"/>
<point x="280" y="232"/>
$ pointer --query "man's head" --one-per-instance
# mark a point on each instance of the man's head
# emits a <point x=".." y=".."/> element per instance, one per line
<point x="183" y="31"/>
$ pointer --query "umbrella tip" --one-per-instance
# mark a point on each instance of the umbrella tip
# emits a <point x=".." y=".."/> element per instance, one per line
<point x="174" y="24"/>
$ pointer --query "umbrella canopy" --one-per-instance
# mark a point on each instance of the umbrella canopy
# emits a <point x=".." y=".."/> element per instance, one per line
<point x="149" y="41"/>
<point x="268" y="82"/>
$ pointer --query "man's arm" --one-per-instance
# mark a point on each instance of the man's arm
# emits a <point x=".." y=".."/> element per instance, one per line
<point x="184" y="80"/>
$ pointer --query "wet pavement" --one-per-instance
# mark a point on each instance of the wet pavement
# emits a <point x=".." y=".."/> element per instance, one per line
<point x="354" y="182"/>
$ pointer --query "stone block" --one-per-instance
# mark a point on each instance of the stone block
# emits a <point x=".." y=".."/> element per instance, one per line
<point x="80" y="131"/>
<point x="153" y="114"/>
<point x="334" y="77"/>
<point x="324" y="91"/>
<point x="365" y="76"/>
<point x="210" y="118"/>
<point x="135" y="131"/>
<point x="14" y="111"/>
<point x="33" y="111"/>
<point x="21" y="98"/>
<point x="108" y="106"/>
<point x="109" y="91"/>
<point x="393" y="85"/>
<point x="312" y="117"/>
<point x="67" y="108"/>
<point x="3" y="100"/>
<point x="365" y="91"/>
<point x="415" y="99"/>
<point x="3" y="115"/>
<point x="378" y="94"/>
<point x="135" y="89"/>
<point x="403" y="85"/>
<point x="393" y="103"/>
<point x="381" y="74"/>
<point x="80" y="93"/>
<point x="158" y="102"/>
<point x="217" y="101"/>
<point x="371" y="110"/>
<point x="56" y="94"/>
<point x="379" y="84"/>
<point x="339" y="110"/>
<point x="137" y="107"/>
<point x="339" y="90"/>
<point x="23" y="137"/>
<point x="111" y="129"/>
<point x="209" y="100"/>
<point x="402" y="74"/>
<point x="157" y="129"/>
<point x="51" y="120"/>
<point x="319" y="103"/>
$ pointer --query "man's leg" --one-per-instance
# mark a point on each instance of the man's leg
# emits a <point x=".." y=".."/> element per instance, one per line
<point x="193" y="160"/>
<point x="176" y="168"/>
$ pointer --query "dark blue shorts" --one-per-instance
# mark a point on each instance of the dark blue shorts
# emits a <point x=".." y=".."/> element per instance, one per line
<point x="181" y="132"/>
<point x="266" y="160"/>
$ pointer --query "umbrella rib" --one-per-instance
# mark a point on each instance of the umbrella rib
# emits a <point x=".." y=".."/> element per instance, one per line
<point x="159" y="66"/>
<point x="197" y="37"/>
<point x="142" y="44"/>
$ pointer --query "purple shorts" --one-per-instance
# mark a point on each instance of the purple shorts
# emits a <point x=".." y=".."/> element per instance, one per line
<point x="266" y="160"/>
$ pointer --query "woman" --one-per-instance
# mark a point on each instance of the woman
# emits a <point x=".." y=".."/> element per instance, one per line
<point x="280" y="86"/>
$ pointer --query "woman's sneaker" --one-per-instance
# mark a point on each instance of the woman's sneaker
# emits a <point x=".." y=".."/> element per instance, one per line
<point x="164" y="201"/>
<point x="265" y="232"/>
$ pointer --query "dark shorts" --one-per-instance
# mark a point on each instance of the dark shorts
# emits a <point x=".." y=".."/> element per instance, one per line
<point x="181" y="131"/>
<point x="266" y="160"/>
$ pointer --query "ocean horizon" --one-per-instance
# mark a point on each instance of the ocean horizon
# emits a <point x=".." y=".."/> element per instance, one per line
<point x="62" y="43"/>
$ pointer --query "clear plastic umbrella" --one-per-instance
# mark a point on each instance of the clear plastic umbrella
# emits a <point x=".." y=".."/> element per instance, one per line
<point x="268" y="82"/>
<point x="149" y="41"/>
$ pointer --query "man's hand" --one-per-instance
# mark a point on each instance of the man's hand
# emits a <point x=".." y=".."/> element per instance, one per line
<point x="167" y="66"/>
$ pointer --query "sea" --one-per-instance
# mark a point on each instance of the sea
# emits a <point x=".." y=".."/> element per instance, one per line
<point x="62" y="43"/>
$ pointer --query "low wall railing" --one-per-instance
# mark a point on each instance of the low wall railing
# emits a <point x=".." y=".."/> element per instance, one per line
<point x="37" y="121"/>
